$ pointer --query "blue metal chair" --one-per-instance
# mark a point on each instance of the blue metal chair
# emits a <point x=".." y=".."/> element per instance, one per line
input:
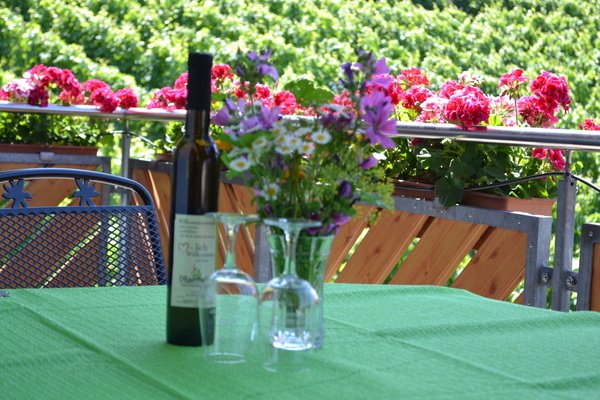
<point x="81" y="241"/>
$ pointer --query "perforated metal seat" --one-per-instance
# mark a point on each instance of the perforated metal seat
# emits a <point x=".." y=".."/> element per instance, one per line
<point x="57" y="231"/>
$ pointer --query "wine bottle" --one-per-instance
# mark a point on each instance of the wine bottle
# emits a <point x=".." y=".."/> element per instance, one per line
<point x="195" y="189"/>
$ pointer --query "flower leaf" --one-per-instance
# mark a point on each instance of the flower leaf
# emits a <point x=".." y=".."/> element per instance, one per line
<point x="307" y="94"/>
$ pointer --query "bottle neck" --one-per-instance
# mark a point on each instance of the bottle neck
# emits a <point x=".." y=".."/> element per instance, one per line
<point x="197" y="124"/>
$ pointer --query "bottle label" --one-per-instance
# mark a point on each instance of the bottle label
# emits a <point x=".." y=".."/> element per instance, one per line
<point x="194" y="257"/>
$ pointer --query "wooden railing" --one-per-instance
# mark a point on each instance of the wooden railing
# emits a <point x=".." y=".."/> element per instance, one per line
<point x="484" y="251"/>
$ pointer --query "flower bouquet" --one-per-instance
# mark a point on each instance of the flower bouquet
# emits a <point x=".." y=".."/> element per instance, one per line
<point x="319" y="160"/>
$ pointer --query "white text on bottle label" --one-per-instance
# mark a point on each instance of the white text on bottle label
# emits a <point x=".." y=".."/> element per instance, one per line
<point x="194" y="257"/>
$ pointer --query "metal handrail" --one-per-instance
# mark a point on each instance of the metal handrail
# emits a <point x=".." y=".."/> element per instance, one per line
<point x="567" y="139"/>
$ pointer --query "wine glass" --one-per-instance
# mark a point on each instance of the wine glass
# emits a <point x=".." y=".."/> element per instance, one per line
<point x="229" y="300"/>
<point x="288" y="307"/>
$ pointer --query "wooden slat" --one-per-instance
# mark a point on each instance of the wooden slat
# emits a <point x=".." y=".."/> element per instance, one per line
<point x="12" y="166"/>
<point x="498" y="267"/>
<point x="159" y="186"/>
<point x="382" y="247"/>
<point x="595" y="287"/>
<point x="346" y="238"/>
<point x="439" y="252"/>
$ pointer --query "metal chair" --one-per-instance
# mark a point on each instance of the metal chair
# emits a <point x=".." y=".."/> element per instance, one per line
<point x="57" y="231"/>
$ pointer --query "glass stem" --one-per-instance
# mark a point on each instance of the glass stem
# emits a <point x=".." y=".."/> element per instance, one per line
<point x="230" y="235"/>
<point x="291" y="240"/>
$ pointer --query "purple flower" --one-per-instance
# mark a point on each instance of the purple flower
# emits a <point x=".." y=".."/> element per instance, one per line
<point x="262" y="56"/>
<point x="377" y="108"/>
<point x="268" y="209"/>
<point x="222" y="117"/>
<point x="335" y="122"/>
<point x="240" y="71"/>
<point x="265" y="69"/>
<point x="368" y="163"/>
<point x="250" y="124"/>
<point x="348" y="72"/>
<point x="345" y="189"/>
<point x="381" y="67"/>
<point x="339" y="219"/>
<point x="268" y="116"/>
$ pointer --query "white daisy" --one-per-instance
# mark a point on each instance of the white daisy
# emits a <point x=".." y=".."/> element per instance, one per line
<point x="279" y="128"/>
<point x="260" y="143"/>
<point x="270" y="191"/>
<point x="240" y="164"/>
<point x="284" y="149"/>
<point x="321" y="137"/>
<point x="293" y="141"/>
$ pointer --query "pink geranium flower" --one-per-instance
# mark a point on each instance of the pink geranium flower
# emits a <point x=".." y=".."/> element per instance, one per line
<point x="414" y="97"/>
<point x="413" y="77"/>
<point x="589" y="125"/>
<point x="536" y="112"/>
<point x="554" y="156"/>
<point x="552" y="88"/>
<point x="467" y="107"/>
<point x="127" y="99"/>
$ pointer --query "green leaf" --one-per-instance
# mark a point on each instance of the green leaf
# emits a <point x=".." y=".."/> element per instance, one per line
<point x="307" y="94"/>
<point x="449" y="190"/>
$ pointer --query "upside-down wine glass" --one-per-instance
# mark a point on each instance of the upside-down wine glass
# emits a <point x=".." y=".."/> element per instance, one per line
<point x="288" y="307"/>
<point x="229" y="301"/>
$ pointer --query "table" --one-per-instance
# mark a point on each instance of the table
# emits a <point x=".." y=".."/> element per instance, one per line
<point x="383" y="342"/>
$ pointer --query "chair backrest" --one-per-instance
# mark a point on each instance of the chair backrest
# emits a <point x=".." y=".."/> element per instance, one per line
<point x="57" y="231"/>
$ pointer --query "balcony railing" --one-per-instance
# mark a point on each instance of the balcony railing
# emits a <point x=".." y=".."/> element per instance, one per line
<point x="560" y="278"/>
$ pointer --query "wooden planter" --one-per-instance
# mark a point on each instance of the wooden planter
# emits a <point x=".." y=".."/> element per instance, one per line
<point x="538" y="206"/>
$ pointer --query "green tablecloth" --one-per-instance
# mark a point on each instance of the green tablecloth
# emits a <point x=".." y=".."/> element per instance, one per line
<point x="383" y="342"/>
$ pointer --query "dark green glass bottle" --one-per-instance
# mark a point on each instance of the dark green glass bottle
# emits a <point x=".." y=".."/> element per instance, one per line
<point x="195" y="191"/>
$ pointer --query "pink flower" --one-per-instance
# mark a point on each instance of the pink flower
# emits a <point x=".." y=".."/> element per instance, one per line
<point x="127" y="99"/>
<point x="263" y="92"/>
<point x="467" y="107"/>
<point x="16" y="89"/>
<point x="181" y="82"/>
<point x="221" y="71"/>
<point x="94" y="84"/>
<point x="552" y="88"/>
<point x="513" y="81"/>
<point x="589" y="125"/>
<point x="105" y="99"/>
<point x="38" y="97"/>
<point x="554" y="156"/>
<point x="536" y="112"/>
<point x="415" y="96"/>
<point x="413" y="77"/>
<point x="448" y="88"/>
<point x="433" y="110"/>
<point x="287" y="101"/>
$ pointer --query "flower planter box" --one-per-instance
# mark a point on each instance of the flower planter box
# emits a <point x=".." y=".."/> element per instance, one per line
<point x="420" y="190"/>
<point x="56" y="149"/>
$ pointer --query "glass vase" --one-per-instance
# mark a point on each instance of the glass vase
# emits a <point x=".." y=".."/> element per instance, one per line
<point x="288" y="309"/>
<point x="312" y="255"/>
